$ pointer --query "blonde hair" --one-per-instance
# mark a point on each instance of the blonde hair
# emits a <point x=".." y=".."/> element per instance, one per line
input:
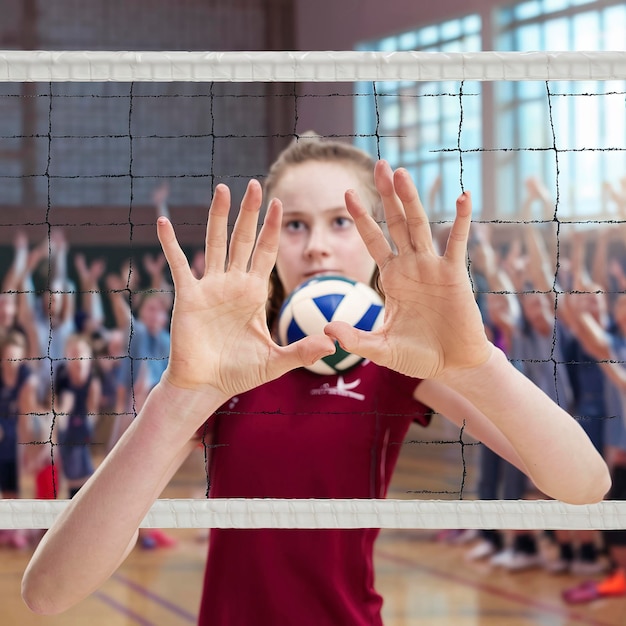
<point x="77" y="339"/>
<point x="13" y="337"/>
<point x="311" y="147"/>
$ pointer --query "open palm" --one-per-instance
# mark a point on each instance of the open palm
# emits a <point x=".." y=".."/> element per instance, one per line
<point x="432" y="323"/>
<point x="219" y="331"/>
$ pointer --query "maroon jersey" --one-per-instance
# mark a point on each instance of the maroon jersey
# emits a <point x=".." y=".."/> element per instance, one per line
<point x="304" y="436"/>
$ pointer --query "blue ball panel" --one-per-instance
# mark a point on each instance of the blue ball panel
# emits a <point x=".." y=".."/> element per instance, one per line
<point x="328" y="304"/>
<point x="369" y="318"/>
<point x="294" y="332"/>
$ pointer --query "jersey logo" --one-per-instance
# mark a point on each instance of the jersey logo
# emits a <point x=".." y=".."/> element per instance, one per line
<point x="342" y="388"/>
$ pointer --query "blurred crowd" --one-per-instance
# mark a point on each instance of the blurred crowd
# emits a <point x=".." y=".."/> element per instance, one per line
<point x="553" y="298"/>
<point x="552" y="295"/>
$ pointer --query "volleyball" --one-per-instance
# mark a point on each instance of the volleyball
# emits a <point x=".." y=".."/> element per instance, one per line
<point x="323" y="299"/>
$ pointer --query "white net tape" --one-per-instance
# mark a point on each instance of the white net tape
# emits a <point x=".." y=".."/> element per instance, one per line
<point x="276" y="513"/>
<point x="23" y="66"/>
<point x="69" y="66"/>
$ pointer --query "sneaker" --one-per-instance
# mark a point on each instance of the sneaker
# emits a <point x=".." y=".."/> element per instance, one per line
<point x="612" y="587"/>
<point x="147" y="542"/>
<point x="557" y="566"/>
<point x="499" y="557"/>
<point x="481" y="551"/>
<point x="515" y="561"/>
<point x="589" y="568"/>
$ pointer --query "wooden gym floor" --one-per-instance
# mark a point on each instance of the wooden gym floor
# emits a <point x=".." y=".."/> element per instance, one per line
<point x="423" y="581"/>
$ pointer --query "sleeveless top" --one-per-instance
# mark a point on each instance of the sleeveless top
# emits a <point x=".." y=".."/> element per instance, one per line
<point x="304" y="436"/>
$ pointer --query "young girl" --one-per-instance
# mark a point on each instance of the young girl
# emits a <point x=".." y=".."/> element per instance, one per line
<point x="279" y="434"/>
<point x="17" y="402"/>
<point x="77" y="392"/>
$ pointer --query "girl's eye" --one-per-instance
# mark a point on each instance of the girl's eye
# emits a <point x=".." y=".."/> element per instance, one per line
<point x="343" y="222"/>
<point x="295" y="226"/>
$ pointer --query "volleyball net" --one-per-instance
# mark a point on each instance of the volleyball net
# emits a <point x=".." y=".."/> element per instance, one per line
<point x="96" y="142"/>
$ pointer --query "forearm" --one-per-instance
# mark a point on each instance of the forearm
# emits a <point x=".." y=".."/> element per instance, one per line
<point x="99" y="524"/>
<point x="557" y="453"/>
<point x="599" y="262"/>
<point x="540" y="272"/>
<point x="92" y="303"/>
<point x="615" y="372"/>
<point x="121" y="310"/>
<point x="15" y="275"/>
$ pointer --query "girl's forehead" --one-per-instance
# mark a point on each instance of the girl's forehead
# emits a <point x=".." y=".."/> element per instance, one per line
<point x="314" y="173"/>
<point x="317" y="185"/>
<point x="78" y="346"/>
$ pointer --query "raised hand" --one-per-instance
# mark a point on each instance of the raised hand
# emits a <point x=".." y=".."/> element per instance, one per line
<point x="220" y="338"/>
<point x="89" y="275"/>
<point x="154" y="266"/>
<point x="159" y="198"/>
<point x="432" y="323"/>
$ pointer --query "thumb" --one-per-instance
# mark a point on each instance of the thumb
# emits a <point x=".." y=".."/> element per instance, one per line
<point x="305" y="352"/>
<point x="367" y="344"/>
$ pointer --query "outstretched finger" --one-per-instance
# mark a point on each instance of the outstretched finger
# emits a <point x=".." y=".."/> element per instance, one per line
<point x="266" y="249"/>
<point x="174" y="255"/>
<point x="244" y="232"/>
<point x="416" y="219"/>
<point x="394" y="211"/>
<point x="373" y="237"/>
<point x="456" y="248"/>
<point x="216" y="240"/>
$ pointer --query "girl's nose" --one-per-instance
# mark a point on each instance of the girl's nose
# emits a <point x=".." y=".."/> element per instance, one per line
<point x="317" y="244"/>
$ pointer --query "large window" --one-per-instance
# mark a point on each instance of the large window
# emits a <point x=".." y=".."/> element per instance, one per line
<point x="416" y="125"/>
<point x="583" y="131"/>
<point x="570" y="134"/>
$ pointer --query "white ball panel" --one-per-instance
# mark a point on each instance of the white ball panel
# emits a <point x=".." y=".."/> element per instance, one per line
<point x="307" y="315"/>
<point x="318" y="288"/>
<point x="354" y="301"/>
<point x="353" y="307"/>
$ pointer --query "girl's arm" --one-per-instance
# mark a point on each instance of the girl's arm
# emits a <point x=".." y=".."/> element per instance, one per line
<point x="220" y="347"/>
<point x="91" y="298"/>
<point x="155" y="268"/>
<point x="596" y="342"/>
<point x="512" y="416"/>
<point x="59" y="280"/>
<point x="502" y="303"/>
<point x="600" y="259"/>
<point x="97" y="530"/>
<point x="14" y="276"/>
<point x="433" y="330"/>
<point x="119" y="303"/>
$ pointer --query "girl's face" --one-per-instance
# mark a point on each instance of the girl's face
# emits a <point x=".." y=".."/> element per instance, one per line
<point x="79" y="355"/>
<point x="153" y="314"/>
<point x="12" y="356"/>
<point x="538" y="312"/>
<point x="318" y="235"/>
